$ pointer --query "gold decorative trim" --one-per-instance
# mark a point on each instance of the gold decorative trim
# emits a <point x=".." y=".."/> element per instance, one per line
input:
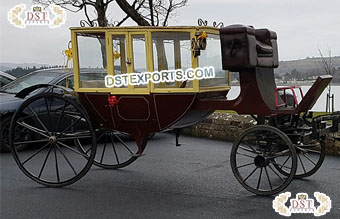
<point x="60" y="16"/>
<point x="279" y="204"/>
<point x="14" y="16"/>
<point x="325" y="204"/>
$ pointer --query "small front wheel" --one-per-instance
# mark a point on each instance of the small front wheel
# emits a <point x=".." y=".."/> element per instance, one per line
<point x="254" y="157"/>
<point x="52" y="123"/>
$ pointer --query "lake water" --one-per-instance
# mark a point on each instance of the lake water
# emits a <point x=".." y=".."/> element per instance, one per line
<point x="319" y="106"/>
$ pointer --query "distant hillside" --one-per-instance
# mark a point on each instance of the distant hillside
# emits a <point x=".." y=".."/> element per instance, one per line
<point x="306" y="68"/>
<point x="9" y="66"/>
<point x="308" y="64"/>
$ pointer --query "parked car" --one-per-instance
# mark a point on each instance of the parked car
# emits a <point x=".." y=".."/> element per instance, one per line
<point x="9" y="103"/>
<point x="5" y="78"/>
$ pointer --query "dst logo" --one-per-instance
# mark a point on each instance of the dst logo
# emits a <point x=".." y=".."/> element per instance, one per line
<point x="302" y="204"/>
<point x="37" y="16"/>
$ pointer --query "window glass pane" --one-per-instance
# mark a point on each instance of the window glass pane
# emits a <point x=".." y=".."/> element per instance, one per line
<point x="119" y="54"/>
<point x="67" y="82"/>
<point x="211" y="56"/>
<point x="171" y="51"/>
<point x="3" y="81"/>
<point x="92" y="59"/>
<point x="39" y="77"/>
<point x="139" y="55"/>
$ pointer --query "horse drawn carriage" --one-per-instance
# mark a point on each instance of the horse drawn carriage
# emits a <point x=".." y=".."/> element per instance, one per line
<point x="63" y="130"/>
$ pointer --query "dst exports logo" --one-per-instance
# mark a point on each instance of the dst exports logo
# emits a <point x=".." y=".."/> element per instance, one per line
<point x="52" y="16"/>
<point x="302" y="204"/>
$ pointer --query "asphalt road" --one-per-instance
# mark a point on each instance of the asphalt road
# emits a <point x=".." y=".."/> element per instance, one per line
<point x="191" y="181"/>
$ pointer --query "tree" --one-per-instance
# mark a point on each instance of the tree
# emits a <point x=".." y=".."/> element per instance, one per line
<point x="151" y="12"/>
<point x="328" y="67"/>
<point x="100" y="7"/>
<point x="143" y="12"/>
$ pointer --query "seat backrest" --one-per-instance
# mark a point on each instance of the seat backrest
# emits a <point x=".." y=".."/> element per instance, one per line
<point x="245" y="48"/>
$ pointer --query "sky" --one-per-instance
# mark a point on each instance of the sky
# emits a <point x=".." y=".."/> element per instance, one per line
<point x="303" y="27"/>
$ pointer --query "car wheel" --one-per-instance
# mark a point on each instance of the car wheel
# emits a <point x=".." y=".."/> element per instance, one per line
<point x="4" y="131"/>
<point x="5" y="123"/>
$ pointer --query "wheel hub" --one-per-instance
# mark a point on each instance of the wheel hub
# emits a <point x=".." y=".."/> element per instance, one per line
<point x="52" y="139"/>
<point x="260" y="161"/>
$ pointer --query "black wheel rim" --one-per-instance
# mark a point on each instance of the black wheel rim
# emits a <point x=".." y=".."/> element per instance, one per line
<point x="309" y="159"/>
<point x="253" y="158"/>
<point x="309" y="156"/>
<point x="53" y="122"/>
<point x="115" y="149"/>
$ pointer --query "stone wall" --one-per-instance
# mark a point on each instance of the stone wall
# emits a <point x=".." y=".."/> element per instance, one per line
<point x="228" y="127"/>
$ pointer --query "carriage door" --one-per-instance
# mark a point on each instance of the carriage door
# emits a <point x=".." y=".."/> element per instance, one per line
<point x="139" y="55"/>
<point x="130" y="56"/>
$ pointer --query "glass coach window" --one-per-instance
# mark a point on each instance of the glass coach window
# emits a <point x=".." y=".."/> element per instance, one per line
<point x="171" y="50"/>
<point x="211" y="56"/>
<point x="92" y="59"/>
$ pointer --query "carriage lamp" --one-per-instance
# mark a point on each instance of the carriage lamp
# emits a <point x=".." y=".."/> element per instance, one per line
<point x="112" y="100"/>
<point x="199" y="43"/>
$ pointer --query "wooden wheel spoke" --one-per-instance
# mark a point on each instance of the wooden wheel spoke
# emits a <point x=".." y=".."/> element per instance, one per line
<point x="48" y="108"/>
<point x="74" y="137"/>
<point x="276" y="173"/>
<point x="67" y="160"/>
<point x="102" y="156"/>
<point x="303" y="166"/>
<point x="34" y="129"/>
<point x="279" y="154"/>
<point x="250" y="146"/>
<point x="40" y="122"/>
<point x="71" y="149"/>
<point x="56" y="163"/>
<point x="100" y="136"/>
<point x="270" y="184"/>
<point x="259" y="181"/>
<point x="45" y="161"/>
<point x="30" y="142"/>
<point x="68" y="127"/>
<point x="245" y="149"/>
<point x="308" y="158"/>
<point x="123" y="143"/>
<point x="280" y="165"/>
<point x="246" y="155"/>
<point x="286" y="160"/>
<point x="310" y="150"/>
<point x="60" y="117"/>
<point x="252" y="172"/>
<point x="244" y="165"/>
<point x="114" y="149"/>
<point x="33" y="155"/>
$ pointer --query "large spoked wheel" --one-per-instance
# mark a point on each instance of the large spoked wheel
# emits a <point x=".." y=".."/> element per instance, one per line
<point x="51" y="123"/>
<point x="309" y="156"/>
<point x="115" y="149"/>
<point x="254" y="155"/>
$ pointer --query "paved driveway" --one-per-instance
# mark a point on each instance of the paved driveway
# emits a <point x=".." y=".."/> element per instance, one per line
<point x="191" y="181"/>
